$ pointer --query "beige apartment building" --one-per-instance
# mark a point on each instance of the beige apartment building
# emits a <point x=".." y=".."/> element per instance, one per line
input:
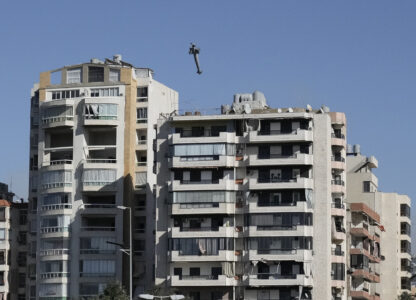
<point x="250" y="202"/>
<point x="13" y="246"/>
<point x="90" y="158"/>
<point x="379" y="225"/>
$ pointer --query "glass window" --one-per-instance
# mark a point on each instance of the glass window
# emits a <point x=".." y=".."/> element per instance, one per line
<point x="95" y="74"/>
<point x="142" y="92"/>
<point x="2" y="234"/>
<point x="114" y="75"/>
<point x="73" y="76"/>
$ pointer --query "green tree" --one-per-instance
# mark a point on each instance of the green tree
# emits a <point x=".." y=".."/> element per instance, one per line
<point x="114" y="291"/>
<point x="405" y="296"/>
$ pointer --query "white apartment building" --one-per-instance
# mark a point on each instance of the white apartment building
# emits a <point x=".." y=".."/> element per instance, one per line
<point x="385" y="245"/>
<point x="90" y="157"/>
<point x="250" y="202"/>
<point x="13" y="246"/>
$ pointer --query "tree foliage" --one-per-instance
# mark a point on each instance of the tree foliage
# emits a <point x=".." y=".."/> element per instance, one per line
<point x="114" y="291"/>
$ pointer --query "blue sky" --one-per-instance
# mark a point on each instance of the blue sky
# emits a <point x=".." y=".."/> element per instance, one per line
<point x="358" y="57"/>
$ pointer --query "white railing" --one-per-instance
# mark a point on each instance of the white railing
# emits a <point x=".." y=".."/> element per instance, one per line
<point x="53" y="229"/>
<point x="50" y="252"/>
<point x="98" y="228"/>
<point x="48" y="120"/>
<point x="101" y="161"/>
<point x="54" y="275"/>
<point x="56" y="206"/>
<point x="46" y="186"/>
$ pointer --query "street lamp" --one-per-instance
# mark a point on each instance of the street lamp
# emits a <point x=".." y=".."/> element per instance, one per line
<point x="130" y="250"/>
<point x="172" y="297"/>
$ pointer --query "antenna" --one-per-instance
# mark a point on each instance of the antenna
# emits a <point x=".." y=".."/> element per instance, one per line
<point x="195" y="51"/>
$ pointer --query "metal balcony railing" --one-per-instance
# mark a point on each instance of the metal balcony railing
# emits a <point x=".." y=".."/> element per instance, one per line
<point x="50" y="252"/>
<point x="338" y="182"/>
<point x="56" y="206"/>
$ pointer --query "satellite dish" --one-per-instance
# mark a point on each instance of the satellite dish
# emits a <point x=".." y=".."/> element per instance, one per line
<point x="247" y="108"/>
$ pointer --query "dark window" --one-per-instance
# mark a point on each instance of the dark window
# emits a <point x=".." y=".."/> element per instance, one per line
<point x="22" y="279"/>
<point x="178" y="272"/>
<point x="194" y="295"/>
<point x="142" y="91"/>
<point x="215" y="272"/>
<point x="1" y="278"/>
<point x="2" y="213"/>
<point x="95" y="74"/>
<point x="194" y="271"/>
<point x="366" y="186"/>
<point x="2" y="257"/>
<point x="338" y="271"/>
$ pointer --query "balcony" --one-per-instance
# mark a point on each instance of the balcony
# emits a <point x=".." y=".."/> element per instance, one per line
<point x="97" y="113"/>
<point x="50" y="275"/>
<point x="271" y="183"/>
<point x="338" y="209"/>
<point x="54" y="254"/>
<point x="274" y="136"/>
<point x="278" y="230"/>
<point x="212" y="161"/>
<point x="57" y="121"/>
<point x="208" y="137"/>
<point x="338" y="139"/>
<point x="187" y="232"/>
<point x="57" y="164"/>
<point x="203" y="208"/>
<point x="278" y="280"/>
<point x="338" y="186"/>
<point x="360" y="250"/>
<point x="202" y="280"/>
<point x="255" y="206"/>
<point x="54" y="209"/>
<point x="366" y="274"/>
<point x="279" y="254"/>
<point x="99" y="180"/>
<point x="207" y="185"/>
<point x="223" y="255"/>
<point x="278" y="159"/>
<point x="141" y="145"/>
<point x="337" y="163"/>
<point x="141" y="123"/>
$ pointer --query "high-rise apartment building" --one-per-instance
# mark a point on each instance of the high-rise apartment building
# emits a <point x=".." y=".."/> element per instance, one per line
<point x="379" y="225"/>
<point x="250" y="202"/>
<point x="91" y="157"/>
<point x="13" y="247"/>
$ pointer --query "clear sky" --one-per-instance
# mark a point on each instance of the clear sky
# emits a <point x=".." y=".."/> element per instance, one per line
<point x="358" y="57"/>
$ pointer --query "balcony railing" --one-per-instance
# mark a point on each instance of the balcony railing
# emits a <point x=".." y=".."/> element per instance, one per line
<point x="96" y="251"/>
<point x="273" y="276"/>
<point x="97" y="228"/>
<point x="53" y="229"/>
<point x="59" y="162"/>
<point x="277" y="251"/>
<point x="338" y="158"/>
<point x="198" y="277"/>
<point x="275" y="132"/>
<point x="101" y="161"/>
<point x="276" y="227"/>
<point x="49" y="275"/>
<point x="88" y="274"/>
<point x="100" y="117"/>
<point x="202" y="228"/>
<point x="337" y="205"/>
<point x="203" y="133"/>
<point x="266" y="203"/>
<point x="271" y="156"/>
<point x="141" y="163"/>
<point x="56" y="206"/>
<point x="48" y="120"/>
<point x="141" y="120"/>
<point x="142" y="142"/>
<point x="50" y="252"/>
<point x="53" y="185"/>
<point x="337" y="252"/>
<point x="338" y="182"/>
<point x="274" y="179"/>
<point x="338" y="136"/>
<point x="205" y="181"/>
<point x="99" y="205"/>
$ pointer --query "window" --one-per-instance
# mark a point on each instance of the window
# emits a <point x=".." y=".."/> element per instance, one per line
<point x="106" y="92"/>
<point x="73" y="76"/>
<point x="142" y="92"/>
<point x="97" y="245"/>
<point x="2" y="234"/>
<point x="142" y="114"/>
<point x="2" y="213"/>
<point x="114" y="75"/>
<point x="22" y="280"/>
<point x="95" y="74"/>
<point x="338" y="271"/>
<point x="194" y="271"/>
<point x="177" y="272"/>
<point x="22" y="238"/>
<point x="366" y="186"/>
<point x="21" y="259"/>
<point x="2" y="257"/>
<point x="2" y="278"/>
<point x="101" y="268"/>
<point x="66" y="94"/>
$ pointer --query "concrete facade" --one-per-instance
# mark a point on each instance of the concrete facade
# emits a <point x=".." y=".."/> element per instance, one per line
<point x="386" y="225"/>
<point x="250" y="205"/>
<point x="13" y="248"/>
<point x="89" y="155"/>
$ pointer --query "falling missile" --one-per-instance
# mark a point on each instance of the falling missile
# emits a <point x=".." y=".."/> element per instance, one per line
<point x="195" y="51"/>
